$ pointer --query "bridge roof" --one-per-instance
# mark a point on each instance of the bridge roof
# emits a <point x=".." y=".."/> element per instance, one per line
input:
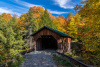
<point x="56" y="31"/>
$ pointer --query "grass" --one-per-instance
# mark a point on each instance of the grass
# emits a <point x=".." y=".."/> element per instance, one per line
<point x="77" y="58"/>
<point x="62" y="61"/>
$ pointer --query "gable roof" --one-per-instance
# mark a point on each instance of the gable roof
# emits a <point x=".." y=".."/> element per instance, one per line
<point x="56" y="31"/>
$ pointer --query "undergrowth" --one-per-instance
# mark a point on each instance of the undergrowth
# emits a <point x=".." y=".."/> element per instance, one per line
<point x="62" y="61"/>
<point x="18" y="62"/>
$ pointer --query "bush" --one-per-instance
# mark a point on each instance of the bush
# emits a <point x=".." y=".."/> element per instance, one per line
<point x="18" y="61"/>
<point x="76" y="48"/>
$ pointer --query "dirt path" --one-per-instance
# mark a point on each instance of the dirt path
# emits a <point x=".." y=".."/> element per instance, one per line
<point x="39" y="59"/>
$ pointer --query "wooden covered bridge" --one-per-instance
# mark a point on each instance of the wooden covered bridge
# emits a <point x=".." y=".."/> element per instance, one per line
<point x="48" y="38"/>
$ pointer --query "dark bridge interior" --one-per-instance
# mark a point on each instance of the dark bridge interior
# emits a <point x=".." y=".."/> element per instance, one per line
<point x="46" y="42"/>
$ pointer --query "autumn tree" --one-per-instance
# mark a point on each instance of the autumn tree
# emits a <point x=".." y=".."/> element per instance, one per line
<point x="33" y="17"/>
<point x="72" y="22"/>
<point x="69" y="16"/>
<point x="21" y="23"/>
<point x="72" y="28"/>
<point x="7" y="17"/>
<point x="60" y="23"/>
<point x="90" y="32"/>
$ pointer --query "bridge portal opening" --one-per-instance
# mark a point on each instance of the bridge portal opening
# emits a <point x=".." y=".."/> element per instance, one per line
<point x="46" y="42"/>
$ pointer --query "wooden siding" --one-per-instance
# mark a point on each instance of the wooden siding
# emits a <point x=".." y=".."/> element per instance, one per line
<point x="46" y="32"/>
<point x="38" y="44"/>
<point x="63" y="43"/>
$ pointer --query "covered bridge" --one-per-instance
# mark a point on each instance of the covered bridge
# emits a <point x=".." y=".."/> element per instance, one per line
<point x="48" y="38"/>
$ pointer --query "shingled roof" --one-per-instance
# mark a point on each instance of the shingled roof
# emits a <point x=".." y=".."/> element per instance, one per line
<point x="56" y="31"/>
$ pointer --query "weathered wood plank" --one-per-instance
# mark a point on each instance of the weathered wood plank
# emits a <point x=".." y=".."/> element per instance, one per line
<point x="62" y="42"/>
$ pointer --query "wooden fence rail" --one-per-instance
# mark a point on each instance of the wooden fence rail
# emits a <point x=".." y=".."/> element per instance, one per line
<point x="80" y="64"/>
<point x="27" y="51"/>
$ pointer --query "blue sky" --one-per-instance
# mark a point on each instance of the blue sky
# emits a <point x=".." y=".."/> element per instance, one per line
<point x="56" y="7"/>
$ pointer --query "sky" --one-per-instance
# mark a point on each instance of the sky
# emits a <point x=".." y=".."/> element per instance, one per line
<point x="56" y="7"/>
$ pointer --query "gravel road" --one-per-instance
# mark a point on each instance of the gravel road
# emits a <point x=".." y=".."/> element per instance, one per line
<point x="39" y="59"/>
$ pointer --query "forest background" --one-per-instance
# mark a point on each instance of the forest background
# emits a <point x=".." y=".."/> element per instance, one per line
<point x="84" y="27"/>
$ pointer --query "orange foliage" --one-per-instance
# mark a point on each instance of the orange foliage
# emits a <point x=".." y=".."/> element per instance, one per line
<point x="37" y="12"/>
<point x="60" y="23"/>
<point x="51" y="16"/>
<point x="37" y="9"/>
<point x="21" y="23"/>
<point x="7" y="17"/>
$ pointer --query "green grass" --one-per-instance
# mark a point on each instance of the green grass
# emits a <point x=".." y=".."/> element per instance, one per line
<point x="62" y="61"/>
<point x="77" y="58"/>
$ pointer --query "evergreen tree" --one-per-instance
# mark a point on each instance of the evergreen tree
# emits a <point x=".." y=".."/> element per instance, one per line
<point x="10" y="39"/>
<point x="46" y="20"/>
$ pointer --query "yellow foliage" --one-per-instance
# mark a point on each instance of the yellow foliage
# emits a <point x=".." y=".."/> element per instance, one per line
<point x="60" y="23"/>
<point x="22" y="18"/>
<point x="1" y="46"/>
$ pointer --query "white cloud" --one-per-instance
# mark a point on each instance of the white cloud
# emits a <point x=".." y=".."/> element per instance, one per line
<point x="66" y="4"/>
<point x="14" y="7"/>
<point x="5" y="10"/>
<point x="57" y="12"/>
<point x="25" y="3"/>
<point x="30" y="5"/>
